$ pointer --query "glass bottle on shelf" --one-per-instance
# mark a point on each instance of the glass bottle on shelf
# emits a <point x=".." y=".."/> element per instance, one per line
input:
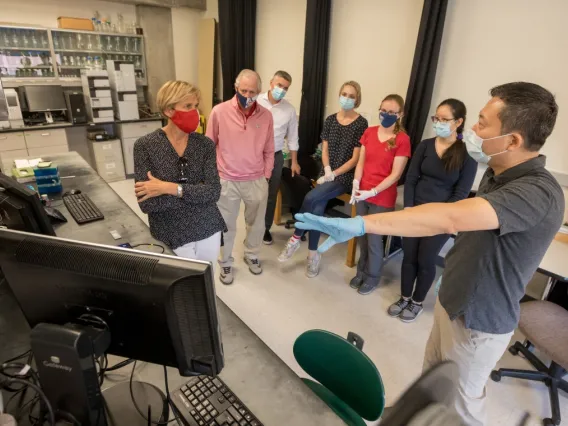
<point x="138" y="63"/>
<point x="56" y="41"/>
<point x="5" y="38"/>
<point x="44" y="41"/>
<point x="25" y="39"/>
<point x="117" y="42"/>
<point x="71" y="61"/>
<point x="99" y="42"/>
<point x="15" y="39"/>
<point x="84" y="61"/>
<point x="89" y="42"/>
<point x="126" y="44"/>
<point x="70" y="42"/>
<point x="79" y="39"/>
<point x="65" y="61"/>
<point x="35" y="43"/>
<point x="108" y="44"/>
<point x="135" y="45"/>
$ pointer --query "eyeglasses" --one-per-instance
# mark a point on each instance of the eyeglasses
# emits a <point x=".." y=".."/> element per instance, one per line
<point x="384" y="111"/>
<point x="441" y="120"/>
<point x="183" y="170"/>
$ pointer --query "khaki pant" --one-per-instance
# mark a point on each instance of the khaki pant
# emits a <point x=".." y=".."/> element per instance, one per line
<point x="476" y="354"/>
<point x="254" y="194"/>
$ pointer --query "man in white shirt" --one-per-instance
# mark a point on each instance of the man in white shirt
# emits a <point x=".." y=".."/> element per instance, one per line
<point x="285" y="127"/>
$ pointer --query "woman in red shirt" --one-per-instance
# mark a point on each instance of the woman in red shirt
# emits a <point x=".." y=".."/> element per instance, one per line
<point x="384" y="153"/>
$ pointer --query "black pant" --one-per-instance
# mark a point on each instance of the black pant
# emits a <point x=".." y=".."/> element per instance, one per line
<point x="419" y="264"/>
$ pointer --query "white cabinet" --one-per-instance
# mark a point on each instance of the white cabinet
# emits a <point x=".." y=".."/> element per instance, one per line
<point x="12" y="141"/>
<point x="128" y="153"/>
<point x="130" y="133"/>
<point x="108" y="159"/>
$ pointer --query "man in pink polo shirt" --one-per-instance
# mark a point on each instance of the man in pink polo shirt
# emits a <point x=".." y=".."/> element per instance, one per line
<point x="244" y="134"/>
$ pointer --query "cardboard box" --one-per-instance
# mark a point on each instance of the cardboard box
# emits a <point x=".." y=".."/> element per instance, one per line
<point x="75" y="23"/>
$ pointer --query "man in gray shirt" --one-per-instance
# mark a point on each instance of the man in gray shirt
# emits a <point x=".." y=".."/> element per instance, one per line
<point x="504" y="233"/>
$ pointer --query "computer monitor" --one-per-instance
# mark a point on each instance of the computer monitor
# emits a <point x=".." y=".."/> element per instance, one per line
<point x="44" y="98"/>
<point x="21" y="208"/>
<point x="84" y="300"/>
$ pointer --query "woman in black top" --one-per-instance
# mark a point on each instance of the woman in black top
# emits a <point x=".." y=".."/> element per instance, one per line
<point x="177" y="183"/>
<point x="340" y="152"/>
<point x="441" y="171"/>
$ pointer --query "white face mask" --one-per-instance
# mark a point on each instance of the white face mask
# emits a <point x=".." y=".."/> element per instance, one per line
<point x="474" y="145"/>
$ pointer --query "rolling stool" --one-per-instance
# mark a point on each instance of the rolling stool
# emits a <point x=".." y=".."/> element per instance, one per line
<point x="545" y="325"/>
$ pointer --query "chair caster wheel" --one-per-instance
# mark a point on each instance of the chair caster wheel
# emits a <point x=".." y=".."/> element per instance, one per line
<point x="513" y="350"/>
<point x="495" y="376"/>
<point x="549" y="422"/>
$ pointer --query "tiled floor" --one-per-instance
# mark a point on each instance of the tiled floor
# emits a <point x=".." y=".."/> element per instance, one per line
<point x="282" y="303"/>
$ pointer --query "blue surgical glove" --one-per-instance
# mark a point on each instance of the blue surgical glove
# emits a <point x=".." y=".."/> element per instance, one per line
<point x="339" y="230"/>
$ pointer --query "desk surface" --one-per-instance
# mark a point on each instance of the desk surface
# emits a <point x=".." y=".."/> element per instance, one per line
<point x="66" y="124"/>
<point x="262" y="380"/>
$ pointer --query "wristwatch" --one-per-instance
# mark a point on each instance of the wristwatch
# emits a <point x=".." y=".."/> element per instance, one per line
<point x="179" y="191"/>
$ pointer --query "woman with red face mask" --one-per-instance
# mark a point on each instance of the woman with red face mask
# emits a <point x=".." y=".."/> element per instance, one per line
<point x="177" y="183"/>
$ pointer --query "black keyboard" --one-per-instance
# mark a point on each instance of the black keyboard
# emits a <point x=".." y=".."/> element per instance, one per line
<point x="82" y="208"/>
<point x="207" y="401"/>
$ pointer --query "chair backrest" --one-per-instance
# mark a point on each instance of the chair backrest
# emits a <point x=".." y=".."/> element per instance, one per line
<point x="343" y="369"/>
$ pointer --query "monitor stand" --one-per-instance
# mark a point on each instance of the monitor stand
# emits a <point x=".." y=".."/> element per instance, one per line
<point x="65" y="358"/>
<point x="48" y="118"/>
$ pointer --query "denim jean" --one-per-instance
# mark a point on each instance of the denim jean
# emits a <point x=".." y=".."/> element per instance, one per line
<point x="315" y="202"/>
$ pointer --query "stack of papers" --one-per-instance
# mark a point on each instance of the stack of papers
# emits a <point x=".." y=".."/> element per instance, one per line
<point x="23" y="170"/>
<point x="24" y="164"/>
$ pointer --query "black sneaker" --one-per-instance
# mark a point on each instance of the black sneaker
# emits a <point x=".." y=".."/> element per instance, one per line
<point x="411" y="312"/>
<point x="367" y="288"/>
<point x="396" y="308"/>
<point x="356" y="282"/>
<point x="267" y="238"/>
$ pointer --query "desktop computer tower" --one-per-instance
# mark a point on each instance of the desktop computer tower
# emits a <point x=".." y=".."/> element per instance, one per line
<point x="76" y="108"/>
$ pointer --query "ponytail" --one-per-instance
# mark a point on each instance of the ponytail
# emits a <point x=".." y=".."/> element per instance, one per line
<point x="456" y="154"/>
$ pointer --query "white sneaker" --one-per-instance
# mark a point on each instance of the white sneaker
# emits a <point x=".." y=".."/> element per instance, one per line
<point x="292" y="245"/>
<point x="226" y="275"/>
<point x="313" y="266"/>
<point x="254" y="266"/>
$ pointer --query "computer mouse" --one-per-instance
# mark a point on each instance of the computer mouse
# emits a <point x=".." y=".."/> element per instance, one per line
<point x="72" y="192"/>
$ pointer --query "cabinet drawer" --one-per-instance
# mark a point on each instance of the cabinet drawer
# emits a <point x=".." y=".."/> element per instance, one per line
<point x="48" y="150"/>
<point x="12" y="141"/>
<point x="107" y="151"/>
<point x="136" y="130"/>
<point x="44" y="138"/>
<point x="111" y="171"/>
<point x="7" y="159"/>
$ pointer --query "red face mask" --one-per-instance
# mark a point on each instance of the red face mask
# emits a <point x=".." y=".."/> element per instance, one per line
<point x="186" y="121"/>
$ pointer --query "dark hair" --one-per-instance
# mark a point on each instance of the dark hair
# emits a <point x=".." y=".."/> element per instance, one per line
<point x="398" y="125"/>
<point x="284" y="75"/>
<point x="456" y="154"/>
<point x="529" y="110"/>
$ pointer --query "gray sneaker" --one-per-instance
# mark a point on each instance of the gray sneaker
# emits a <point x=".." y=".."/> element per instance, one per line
<point x="356" y="282"/>
<point x="411" y="312"/>
<point x="313" y="266"/>
<point x="291" y="247"/>
<point x="367" y="288"/>
<point x="226" y="275"/>
<point x="254" y="266"/>
<point x="396" y="308"/>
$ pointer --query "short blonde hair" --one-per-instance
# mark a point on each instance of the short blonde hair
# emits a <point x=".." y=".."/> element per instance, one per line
<point x="357" y="88"/>
<point x="173" y="92"/>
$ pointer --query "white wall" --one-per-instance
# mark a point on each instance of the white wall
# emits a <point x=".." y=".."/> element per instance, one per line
<point x="45" y="12"/>
<point x="280" y="33"/>
<point x="185" y="29"/>
<point x="489" y="42"/>
<point x="372" y="42"/>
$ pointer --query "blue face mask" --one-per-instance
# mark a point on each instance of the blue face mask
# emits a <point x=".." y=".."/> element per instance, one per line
<point x="346" y="104"/>
<point x="387" y="120"/>
<point x="278" y="93"/>
<point x="442" y="129"/>
<point x="244" y="101"/>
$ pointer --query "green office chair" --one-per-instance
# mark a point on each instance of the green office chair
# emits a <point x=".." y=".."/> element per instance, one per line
<point x="349" y="382"/>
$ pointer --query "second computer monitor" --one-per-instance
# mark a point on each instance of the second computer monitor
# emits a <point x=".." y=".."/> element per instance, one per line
<point x="44" y="98"/>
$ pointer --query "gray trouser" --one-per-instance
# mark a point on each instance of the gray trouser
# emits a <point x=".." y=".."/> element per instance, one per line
<point x="273" y="187"/>
<point x="253" y="195"/>
<point x="370" y="265"/>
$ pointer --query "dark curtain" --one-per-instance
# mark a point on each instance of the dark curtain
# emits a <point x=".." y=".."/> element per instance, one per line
<point x="314" y="84"/>
<point x="237" y="32"/>
<point x="423" y="74"/>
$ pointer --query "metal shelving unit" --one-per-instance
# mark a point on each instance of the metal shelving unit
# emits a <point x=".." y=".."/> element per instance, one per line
<point x="35" y="56"/>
